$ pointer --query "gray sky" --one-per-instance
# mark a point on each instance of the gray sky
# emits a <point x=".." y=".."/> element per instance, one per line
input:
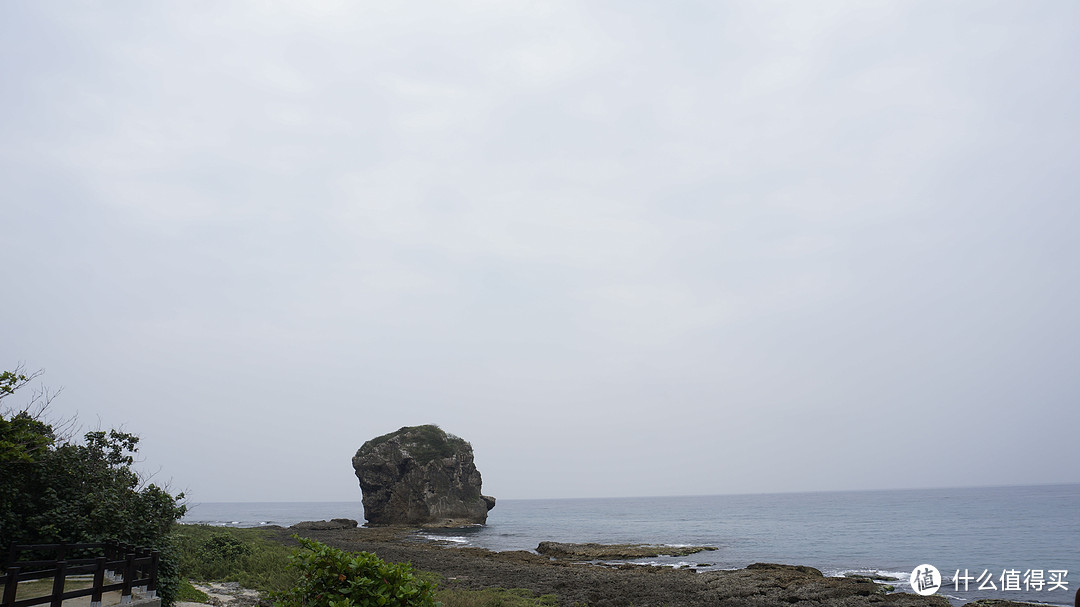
<point x="624" y="249"/>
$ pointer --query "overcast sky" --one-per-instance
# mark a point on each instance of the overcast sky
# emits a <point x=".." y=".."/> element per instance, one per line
<point x="622" y="248"/>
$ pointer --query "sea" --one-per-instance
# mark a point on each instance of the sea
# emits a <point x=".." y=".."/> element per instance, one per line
<point x="1017" y="543"/>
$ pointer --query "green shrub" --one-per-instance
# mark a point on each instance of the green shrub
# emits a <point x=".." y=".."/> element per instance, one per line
<point x="225" y="547"/>
<point x="55" y="488"/>
<point x="334" y="578"/>
<point x="248" y="556"/>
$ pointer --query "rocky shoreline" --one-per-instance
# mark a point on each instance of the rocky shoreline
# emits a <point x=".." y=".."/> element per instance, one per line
<point x="578" y="582"/>
<point x="591" y="551"/>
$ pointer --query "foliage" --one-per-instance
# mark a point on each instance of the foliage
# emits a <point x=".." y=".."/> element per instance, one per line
<point x="23" y="438"/>
<point x="58" y="490"/>
<point x="225" y="547"/>
<point x="85" y="493"/>
<point x="256" y="558"/>
<point x="334" y="578"/>
<point x="169" y="580"/>
<point x="247" y="556"/>
<point x="10" y="381"/>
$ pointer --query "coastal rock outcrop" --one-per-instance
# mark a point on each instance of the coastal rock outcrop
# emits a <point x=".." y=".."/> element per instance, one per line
<point x="330" y="525"/>
<point x="420" y="475"/>
<point x="591" y="551"/>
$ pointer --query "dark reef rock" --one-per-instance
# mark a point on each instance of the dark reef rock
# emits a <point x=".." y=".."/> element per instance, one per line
<point x="788" y="569"/>
<point x="331" y="525"/>
<point x="420" y="475"/>
<point x="592" y="551"/>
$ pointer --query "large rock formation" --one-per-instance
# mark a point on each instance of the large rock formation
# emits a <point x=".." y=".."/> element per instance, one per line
<point x="420" y="475"/>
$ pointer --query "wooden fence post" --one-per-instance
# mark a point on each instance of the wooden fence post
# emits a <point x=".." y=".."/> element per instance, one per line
<point x="112" y="554"/>
<point x="129" y="576"/>
<point x="135" y="564"/>
<point x="99" y="581"/>
<point x="11" y="585"/>
<point x="58" y="583"/>
<point x="151" y="588"/>
<point x="143" y="569"/>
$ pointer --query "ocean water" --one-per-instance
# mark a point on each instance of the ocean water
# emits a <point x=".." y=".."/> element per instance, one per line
<point x="986" y="533"/>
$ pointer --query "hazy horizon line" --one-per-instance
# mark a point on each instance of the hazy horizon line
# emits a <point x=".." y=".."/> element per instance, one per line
<point x="687" y="495"/>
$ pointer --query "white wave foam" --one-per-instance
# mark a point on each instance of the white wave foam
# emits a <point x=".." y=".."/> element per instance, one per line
<point x="901" y="576"/>
<point x="455" y="539"/>
<point x="678" y="565"/>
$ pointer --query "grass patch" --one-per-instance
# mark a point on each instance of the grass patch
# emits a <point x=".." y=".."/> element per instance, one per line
<point x="495" y="597"/>
<point x="191" y="594"/>
<point x="259" y="560"/>
<point x="223" y="554"/>
<point x="487" y="597"/>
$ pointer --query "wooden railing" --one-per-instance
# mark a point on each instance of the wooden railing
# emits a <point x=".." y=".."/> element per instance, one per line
<point x="126" y="567"/>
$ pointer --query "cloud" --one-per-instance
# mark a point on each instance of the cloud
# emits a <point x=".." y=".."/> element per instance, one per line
<point x="716" y="230"/>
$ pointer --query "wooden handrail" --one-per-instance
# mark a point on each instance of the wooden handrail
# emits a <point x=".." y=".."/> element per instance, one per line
<point x="138" y="567"/>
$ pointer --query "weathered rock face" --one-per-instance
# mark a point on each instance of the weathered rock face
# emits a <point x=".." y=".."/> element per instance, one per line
<point x="420" y="475"/>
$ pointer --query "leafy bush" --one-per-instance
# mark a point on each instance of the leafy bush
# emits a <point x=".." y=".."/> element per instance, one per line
<point x="334" y="578"/>
<point x="225" y="547"/>
<point x="248" y="556"/>
<point x="54" y="489"/>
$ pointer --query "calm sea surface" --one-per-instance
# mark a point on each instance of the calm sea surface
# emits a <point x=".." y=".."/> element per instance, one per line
<point x="997" y="530"/>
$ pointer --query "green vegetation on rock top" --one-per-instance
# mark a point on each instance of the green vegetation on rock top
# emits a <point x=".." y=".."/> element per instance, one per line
<point x="424" y="443"/>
